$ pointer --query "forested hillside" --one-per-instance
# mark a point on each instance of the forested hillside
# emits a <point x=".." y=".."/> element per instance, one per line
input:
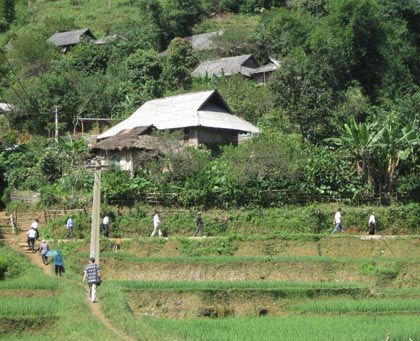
<point x="339" y="119"/>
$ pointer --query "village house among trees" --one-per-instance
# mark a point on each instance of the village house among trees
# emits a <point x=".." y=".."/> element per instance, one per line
<point x="203" y="117"/>
<point x="245" y="65"/>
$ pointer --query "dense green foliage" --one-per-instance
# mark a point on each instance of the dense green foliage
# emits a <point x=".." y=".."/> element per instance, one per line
<point x="340" y="117"/>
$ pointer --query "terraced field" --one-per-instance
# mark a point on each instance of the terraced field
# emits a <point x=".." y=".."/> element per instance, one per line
<point x="333" y="283"/>
<point x="295" y="287"/>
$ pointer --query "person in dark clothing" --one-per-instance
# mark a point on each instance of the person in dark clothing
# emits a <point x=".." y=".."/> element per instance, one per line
<point x="372" y="224"/>
<point x="199" y="225"/>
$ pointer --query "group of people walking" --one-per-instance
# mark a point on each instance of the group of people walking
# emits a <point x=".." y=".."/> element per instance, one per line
<point x="157" y="224"/>
<point x="338" y="223"/>
<point x="92" y="272"/>
<point x="33" y="233"/>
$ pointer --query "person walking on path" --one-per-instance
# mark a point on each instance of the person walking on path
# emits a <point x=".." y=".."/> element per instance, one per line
<point x="31" y="239"/>
<point x="372" y="223"/>
<point x="338" y="222"/>
<point x="43" y="249"/>
<point x="59" y="263"/>
<point x="156" y="225"/>
<point x="93" y="274"/>
<point x="105" y="225"/>
<point x="35" y="225"/>
<point x="70" y="228"/>
<point x="199" y="225"/>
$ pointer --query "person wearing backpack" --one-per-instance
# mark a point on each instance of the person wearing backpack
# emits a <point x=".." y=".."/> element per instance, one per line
<point x="93" y="275"/>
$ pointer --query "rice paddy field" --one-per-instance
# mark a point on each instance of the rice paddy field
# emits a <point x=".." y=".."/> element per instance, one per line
<point x="325" y="288"/>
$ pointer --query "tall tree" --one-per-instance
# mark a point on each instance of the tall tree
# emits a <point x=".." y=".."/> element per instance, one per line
<point x="180" y="59"/>
<point x="361" y="140"/>
<point x="301" y="91"/>
<point x="7" y="14"/>
<point x="179" y="17"/>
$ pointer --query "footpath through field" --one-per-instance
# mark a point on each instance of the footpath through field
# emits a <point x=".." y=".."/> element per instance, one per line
<point x="18" y="243"/>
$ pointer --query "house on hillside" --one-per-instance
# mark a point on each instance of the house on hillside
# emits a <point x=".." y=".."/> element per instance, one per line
<point x="202" y="41"/>
<point x="228" y="66"/>
<point x="203" y="117"/>
<point x="262" y="74"/>
<point x="65" y="40"/>
<point x="108" y="39"/>
<point x="245" y="65"/>
<point x="5" y="108"/>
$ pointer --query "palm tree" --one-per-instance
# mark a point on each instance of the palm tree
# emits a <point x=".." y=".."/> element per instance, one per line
<point x="361" y="140"/>
<point x="399" y="144"/>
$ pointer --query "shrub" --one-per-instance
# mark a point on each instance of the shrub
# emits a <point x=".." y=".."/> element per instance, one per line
<point x="3" y="266"/>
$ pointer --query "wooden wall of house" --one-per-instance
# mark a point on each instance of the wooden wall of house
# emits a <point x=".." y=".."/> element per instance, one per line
<point x="261" y="78"/>
<point x="212" y="136"/>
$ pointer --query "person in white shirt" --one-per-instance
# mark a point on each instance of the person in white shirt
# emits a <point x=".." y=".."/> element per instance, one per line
<point x="372" y="223"/>
<point x="70" y="228"/>
<point x="338" y="222"/>
<point x="105" y="225"/>
<point x="35" y="225"/>
<point x="156" y="225"/>
<point x="31" y="239"/>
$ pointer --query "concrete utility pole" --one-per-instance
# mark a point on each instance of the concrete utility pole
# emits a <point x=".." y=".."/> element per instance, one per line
<point x="96" y="208"/>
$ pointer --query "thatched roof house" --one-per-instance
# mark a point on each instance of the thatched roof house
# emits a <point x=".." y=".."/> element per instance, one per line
<point x="65" y="40"/>
<point x="203" y="117"/>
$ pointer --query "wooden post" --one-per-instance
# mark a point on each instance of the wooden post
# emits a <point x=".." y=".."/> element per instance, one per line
<point x="12" y="223"/>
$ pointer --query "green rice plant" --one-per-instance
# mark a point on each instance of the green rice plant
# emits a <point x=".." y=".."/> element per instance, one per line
<point x="27" y="337"/>
<point x="363" y="269"/>
<point x="117" y="310"/>
<point x="25" y="327"/>
<point x="34" y="306"/>
<point x="30" y="284"/>
<point x="205" y="247"/>
<point x="229" y="285"/>
<point x="400" y="292"/>
<point x="359" y="306"/>
<point x="290" y="328"/>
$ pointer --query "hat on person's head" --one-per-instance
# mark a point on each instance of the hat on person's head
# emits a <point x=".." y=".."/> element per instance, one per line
<point x="43" y="240"/>
<point x="198" y="212"/>
<point x="92" y="259"/>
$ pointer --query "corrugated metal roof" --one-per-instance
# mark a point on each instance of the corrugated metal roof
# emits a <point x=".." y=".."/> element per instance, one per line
<point x="228" y="66"/>
<point x="5" y="107"/>
<point x="205" y="108"/>
<point x="69" y="37"/>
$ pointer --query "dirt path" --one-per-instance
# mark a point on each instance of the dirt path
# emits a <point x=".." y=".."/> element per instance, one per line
<point x="17" y="243"/>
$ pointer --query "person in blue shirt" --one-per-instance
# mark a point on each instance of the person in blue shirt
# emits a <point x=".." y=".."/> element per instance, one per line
<point x="59" y="263"/>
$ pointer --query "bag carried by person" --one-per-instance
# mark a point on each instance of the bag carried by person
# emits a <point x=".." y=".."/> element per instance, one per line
<point x="98" y="277"/>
